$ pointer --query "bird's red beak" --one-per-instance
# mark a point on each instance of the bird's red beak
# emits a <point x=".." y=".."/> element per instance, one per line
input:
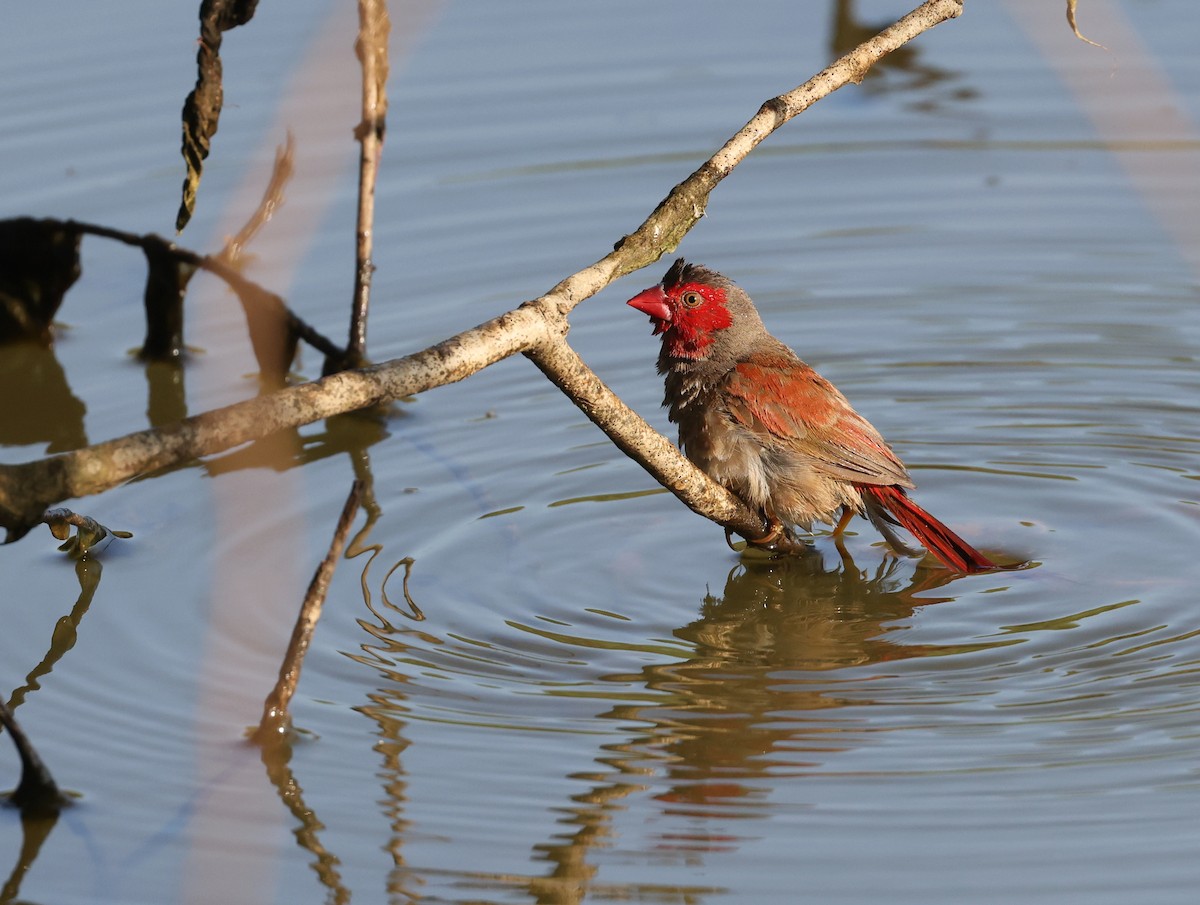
<point x="653" y="301"/>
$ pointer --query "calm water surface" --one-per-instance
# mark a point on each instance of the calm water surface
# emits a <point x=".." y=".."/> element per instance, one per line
<point x="988" y="246"/>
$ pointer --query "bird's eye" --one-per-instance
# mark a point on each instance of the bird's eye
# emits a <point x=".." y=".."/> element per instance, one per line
<point x="691" y="299"/>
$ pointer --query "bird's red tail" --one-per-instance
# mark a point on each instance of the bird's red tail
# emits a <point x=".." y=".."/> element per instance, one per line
<point x="891" y="502"/>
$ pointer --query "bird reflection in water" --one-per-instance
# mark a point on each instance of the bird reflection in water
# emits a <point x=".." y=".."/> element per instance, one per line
<point x="762" y="696"/>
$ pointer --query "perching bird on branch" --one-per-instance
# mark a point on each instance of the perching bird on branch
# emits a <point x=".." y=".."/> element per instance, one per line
<point x="765" y="425"/>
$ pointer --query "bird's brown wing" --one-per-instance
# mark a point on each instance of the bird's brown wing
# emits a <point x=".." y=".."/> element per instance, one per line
<point x="790" y="406"/>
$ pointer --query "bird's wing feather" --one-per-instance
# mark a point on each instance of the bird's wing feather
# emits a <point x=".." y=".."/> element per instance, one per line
<point x="789" y="406"/>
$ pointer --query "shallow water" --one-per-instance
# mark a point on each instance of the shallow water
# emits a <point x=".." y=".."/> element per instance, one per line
<point x="603" y="702"/>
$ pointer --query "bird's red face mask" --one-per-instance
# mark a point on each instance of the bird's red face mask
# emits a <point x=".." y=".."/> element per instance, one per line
<point x="688" y="313"/>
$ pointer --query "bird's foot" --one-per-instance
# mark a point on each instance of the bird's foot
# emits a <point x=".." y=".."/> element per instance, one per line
<point x="847" y="514"/>
<point x="775" y="530"/>
<point x="777" y="540"/>
<point x="768" y="542"/>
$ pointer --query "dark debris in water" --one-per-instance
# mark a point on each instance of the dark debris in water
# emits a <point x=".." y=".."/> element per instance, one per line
<point x="88" y="532"/>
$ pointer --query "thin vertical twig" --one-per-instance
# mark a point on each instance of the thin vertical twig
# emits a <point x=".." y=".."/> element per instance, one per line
<point x="374" y="26"/>
<point x="276" y="719"/>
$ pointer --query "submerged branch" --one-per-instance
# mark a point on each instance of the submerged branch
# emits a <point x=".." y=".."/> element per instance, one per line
<point x="222" y="265"/>
<point x="537" y="328"/>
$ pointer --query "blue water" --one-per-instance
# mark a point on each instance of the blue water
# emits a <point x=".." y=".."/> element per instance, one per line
<point x="603" y="702"/>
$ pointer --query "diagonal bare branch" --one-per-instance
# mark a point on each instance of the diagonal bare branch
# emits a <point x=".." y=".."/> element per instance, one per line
<point x="537" y="328"/>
